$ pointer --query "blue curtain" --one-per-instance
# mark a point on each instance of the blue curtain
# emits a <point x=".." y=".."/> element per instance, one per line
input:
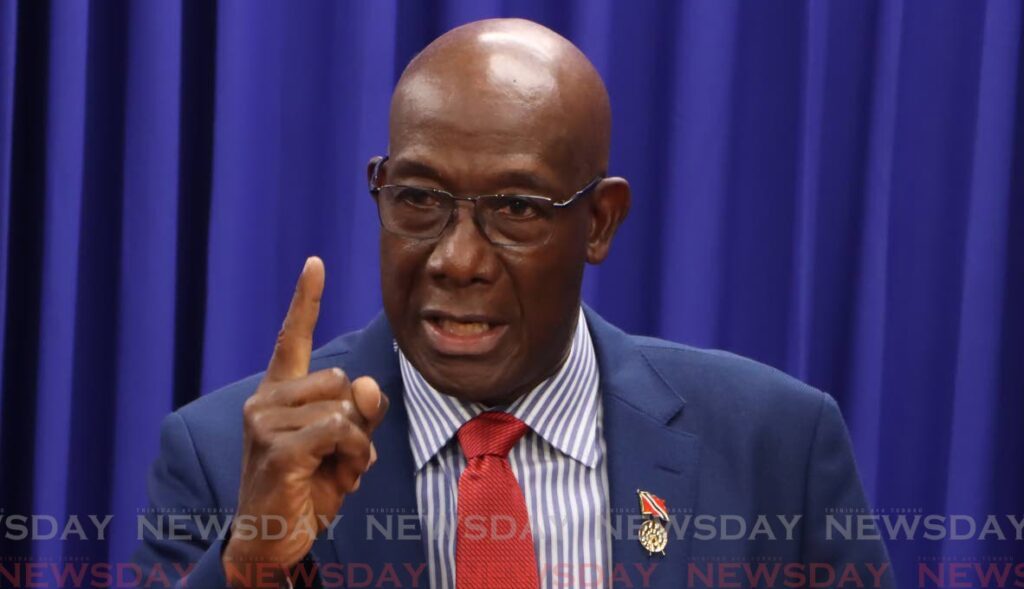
<point x="834" y="188"/>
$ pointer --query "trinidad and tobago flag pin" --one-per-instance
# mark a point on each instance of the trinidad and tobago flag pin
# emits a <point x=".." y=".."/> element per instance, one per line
<point x="653" y="536"/>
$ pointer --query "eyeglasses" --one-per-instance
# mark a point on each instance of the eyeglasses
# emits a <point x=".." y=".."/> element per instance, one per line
<point x="422" y="213"/>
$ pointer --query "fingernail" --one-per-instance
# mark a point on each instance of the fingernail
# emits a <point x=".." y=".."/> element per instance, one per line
<point x="309" y="261"/>
<point x="337" y="372"/>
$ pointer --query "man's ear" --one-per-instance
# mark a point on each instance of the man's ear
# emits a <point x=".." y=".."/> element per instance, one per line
<point x="609" y="206"/>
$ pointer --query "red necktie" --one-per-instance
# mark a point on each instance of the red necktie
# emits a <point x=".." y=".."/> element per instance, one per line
<point x="494" y="544"/>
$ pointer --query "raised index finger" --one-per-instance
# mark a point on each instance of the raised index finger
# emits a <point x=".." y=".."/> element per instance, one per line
<point x="295" y="340"/>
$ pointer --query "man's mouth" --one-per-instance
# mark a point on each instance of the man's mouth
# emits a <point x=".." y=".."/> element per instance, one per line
<point x="462" y="336"/>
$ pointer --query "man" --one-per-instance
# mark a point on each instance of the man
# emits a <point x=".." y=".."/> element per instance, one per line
<point x="530" y="443"/>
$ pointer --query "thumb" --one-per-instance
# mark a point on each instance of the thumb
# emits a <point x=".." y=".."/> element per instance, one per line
<point x="370" y="401"/>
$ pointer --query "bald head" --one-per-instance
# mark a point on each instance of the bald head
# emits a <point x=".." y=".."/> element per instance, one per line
<point x="508" y="84"/>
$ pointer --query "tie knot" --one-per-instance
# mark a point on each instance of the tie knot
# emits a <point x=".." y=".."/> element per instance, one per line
<point x="491" y="433"/>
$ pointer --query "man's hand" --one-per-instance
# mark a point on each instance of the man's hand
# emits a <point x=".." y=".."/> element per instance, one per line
<point x="306" y="442"/>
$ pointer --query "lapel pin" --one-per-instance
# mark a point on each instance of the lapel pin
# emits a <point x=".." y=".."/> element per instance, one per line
<point x="653" y="535"/>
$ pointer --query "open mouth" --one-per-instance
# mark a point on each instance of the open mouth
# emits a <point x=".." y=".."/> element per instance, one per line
<point x="462" y="336"/>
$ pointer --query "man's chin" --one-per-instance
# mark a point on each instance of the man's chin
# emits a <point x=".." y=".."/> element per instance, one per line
<point x="468" y="390"/>
<point x="470" y="383"/>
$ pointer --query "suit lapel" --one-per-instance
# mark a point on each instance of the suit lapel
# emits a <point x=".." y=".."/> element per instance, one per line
<point x="644" y="452"/>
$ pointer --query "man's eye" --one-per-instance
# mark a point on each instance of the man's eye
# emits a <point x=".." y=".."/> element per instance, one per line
<point x="419" y="198"/>
<point x="518" y="208"/>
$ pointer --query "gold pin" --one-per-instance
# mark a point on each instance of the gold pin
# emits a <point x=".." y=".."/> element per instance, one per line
<point x="653" y="535"/>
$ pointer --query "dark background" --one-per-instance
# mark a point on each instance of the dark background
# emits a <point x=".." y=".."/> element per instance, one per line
<point x="834" y="188"/>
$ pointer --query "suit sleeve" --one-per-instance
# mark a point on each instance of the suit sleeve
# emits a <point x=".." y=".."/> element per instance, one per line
<point x="834" y="488"/>
<point x="178" y="487"/>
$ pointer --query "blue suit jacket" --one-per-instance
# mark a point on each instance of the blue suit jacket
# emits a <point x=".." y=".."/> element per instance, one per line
<point x="711" y="433"/>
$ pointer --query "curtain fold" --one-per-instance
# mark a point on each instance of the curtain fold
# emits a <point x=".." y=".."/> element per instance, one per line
<point x="58" y="194"/>
<point x="834" y="188"/>
<point x="974" y="438"/>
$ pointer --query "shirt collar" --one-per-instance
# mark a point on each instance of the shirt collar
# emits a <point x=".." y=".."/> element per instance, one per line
<point x="563" y="410"/>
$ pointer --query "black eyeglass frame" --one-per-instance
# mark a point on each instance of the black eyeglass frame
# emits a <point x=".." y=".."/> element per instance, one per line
<point x="375" y="190"/>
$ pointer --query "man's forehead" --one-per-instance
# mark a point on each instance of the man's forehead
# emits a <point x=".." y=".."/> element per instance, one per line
<point x="479" y="111"/>
<point x="482" y="123"/>
<point x="527" y="171"/>
<point x="501" y="142"/>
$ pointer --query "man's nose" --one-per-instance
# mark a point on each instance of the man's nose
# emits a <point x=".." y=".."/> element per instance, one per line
<point x="463" y="256"/>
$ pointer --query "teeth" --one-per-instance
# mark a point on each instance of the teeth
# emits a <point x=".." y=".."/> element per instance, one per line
<point x="461" y="328"/>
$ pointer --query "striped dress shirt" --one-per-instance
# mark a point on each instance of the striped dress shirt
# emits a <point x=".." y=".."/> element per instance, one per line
<point x="560" y="466"/>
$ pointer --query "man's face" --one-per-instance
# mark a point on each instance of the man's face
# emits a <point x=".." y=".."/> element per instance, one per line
<point x="484" y="322"/>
